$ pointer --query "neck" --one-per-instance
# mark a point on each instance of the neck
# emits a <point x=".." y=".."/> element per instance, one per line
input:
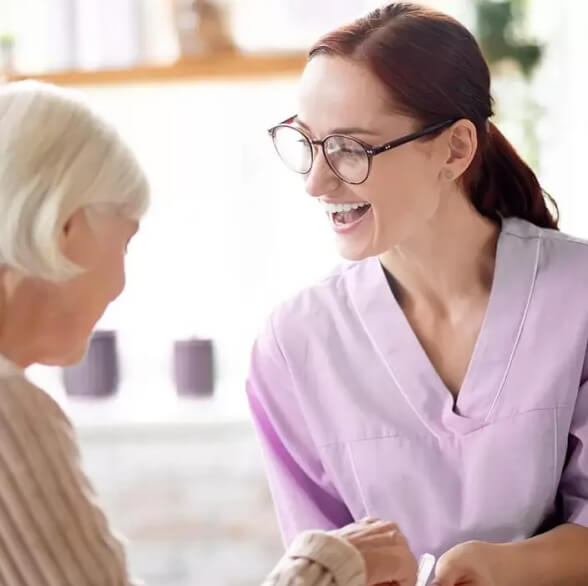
<point x="15" y="330"/>
<point x="18" y="356"/>
<point x="451" y="258"/>
<point x="13" y="345"/>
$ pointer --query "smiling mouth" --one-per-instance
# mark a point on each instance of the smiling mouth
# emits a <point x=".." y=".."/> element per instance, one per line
<point x="348" y="218"/>
<point x="346" y="214"/>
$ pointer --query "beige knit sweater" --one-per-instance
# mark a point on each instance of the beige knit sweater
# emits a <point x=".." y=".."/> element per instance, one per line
<point x="52" y="531"/>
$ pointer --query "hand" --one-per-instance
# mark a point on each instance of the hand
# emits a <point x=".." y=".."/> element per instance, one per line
<point x="474" y="563"/>
<point x="385" y="551"/>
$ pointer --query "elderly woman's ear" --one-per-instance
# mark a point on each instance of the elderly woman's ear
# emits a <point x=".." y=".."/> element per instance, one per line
<point x="79" y="236"/>
<point x="71" y="231"/>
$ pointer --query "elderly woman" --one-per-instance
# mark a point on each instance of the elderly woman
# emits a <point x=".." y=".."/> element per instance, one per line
<point x="71" y="198"/>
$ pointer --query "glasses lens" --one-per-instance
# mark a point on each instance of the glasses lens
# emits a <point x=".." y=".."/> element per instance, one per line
<point x="293" y="148"/>
<point x="347" y="158"/>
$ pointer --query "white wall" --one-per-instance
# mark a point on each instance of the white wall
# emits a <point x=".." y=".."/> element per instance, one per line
<point x="562" y="90"/>
<point x="230" y="232"/>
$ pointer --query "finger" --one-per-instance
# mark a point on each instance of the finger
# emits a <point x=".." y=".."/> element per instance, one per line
<point x="447" y="574"/>
<point x="391" y="536"/>
<point x="388" y="539"/>
<point x="380" y="527"/>
<point x="368" y="520"/>
<point x="357" y="531"/>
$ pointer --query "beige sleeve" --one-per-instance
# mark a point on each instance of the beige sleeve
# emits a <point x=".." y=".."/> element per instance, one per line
<point x="316" y="558"/>
<point x="52" y="532"/>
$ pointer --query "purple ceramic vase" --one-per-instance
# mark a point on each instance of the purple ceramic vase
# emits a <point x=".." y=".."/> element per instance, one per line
<point x="97" y="375"/>
<point x="193" y="365"/>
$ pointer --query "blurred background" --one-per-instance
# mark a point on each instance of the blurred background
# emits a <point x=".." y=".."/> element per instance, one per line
<point x="192" y="86"/>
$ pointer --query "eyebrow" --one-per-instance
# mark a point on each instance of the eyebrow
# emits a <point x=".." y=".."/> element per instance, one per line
<point x="343" y="130"/>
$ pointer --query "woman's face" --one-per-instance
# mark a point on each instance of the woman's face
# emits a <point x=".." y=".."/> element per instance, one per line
<point x="63" y="315"/>
<point x="402" y="191"/>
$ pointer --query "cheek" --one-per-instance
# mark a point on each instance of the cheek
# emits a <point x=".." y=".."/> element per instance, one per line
<point x="114" y="277"/>
<point x="74" y="308"/>
<point x="104" y="284"/>
<point x="404" y="187"/>
<point x="403" y="198"/>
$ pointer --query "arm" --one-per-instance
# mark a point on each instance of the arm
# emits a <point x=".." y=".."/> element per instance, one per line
<point x="557" y="557"/>
<point x="560" y="556"/>
<point x="319" y="559"/>
<point x="364" y="553"/>
<point x="303" y="494"/>
<point x="51" y="530"/>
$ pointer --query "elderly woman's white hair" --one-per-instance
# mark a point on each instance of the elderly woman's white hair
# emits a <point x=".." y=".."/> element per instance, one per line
<point x="56" y="157"/>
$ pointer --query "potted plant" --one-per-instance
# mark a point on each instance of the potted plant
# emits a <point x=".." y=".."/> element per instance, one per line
<point x="497" y="22"/>
<point x="6" y="53"/>
<point x="193" y="367"/>
<point x="97" y="375"/>
<point x="513" y="57"/>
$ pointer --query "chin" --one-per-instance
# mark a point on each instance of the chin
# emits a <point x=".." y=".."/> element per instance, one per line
<point x="356" y="253"/>
<point x="352" y="257"/>
<point x="69" y="357"/>
<point x="76" y="356"/>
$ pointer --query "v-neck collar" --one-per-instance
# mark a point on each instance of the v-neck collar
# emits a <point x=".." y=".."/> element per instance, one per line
<point x="517" y="257"/>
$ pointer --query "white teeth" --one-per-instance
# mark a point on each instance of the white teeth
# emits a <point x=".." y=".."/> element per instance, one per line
<point x="333" y="208"/>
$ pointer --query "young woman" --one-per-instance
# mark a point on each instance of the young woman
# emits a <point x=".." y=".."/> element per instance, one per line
<point x="439" y="381"/>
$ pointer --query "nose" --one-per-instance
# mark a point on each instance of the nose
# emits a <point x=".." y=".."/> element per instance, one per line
<point x="321" y="180"/>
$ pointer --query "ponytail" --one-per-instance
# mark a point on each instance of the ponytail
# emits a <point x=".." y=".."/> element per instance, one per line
<point x="504" y="185"/>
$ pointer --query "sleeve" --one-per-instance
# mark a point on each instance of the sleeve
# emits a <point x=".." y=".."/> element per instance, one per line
<point x="303" y="494"/>
<point x="52" y="532"/>
<point x="573" y="488"/>
<point x="319" y="559"/>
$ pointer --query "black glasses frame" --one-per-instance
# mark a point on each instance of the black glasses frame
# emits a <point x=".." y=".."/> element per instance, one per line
<point x="370" y="150"/>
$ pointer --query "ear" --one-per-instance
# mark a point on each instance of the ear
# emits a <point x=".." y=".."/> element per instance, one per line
<point x="67" y="227"/>
<point x="68" y="231"/>
<point x="462" y="144"/>
<point x="75" y="235"/>
<point x="77" y="222"/>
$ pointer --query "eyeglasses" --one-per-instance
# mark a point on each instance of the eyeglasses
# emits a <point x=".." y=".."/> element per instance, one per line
<point x="349" y="158"/>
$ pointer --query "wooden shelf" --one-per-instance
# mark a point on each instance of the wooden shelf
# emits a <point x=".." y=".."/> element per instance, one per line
<point x="231" y="66"/>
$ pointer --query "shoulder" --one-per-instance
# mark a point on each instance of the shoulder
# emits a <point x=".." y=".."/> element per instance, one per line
<point x="314" y="314"/>
<point x="27" y="409"/>
<point x="557" y="250"/>
<point x="318" y="307"/>
<point x="522" y="229"/>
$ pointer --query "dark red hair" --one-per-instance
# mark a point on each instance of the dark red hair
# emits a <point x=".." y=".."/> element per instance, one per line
<point x="434" y="70"/>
